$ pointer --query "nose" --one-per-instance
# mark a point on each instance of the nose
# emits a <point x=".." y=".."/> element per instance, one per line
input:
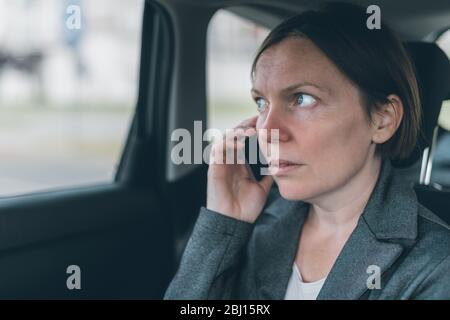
<point x="275" y="120"/>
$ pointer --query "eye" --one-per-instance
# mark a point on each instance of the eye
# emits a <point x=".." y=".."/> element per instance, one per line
<point x="261" y="104"/>
<point x="304" y="100"/>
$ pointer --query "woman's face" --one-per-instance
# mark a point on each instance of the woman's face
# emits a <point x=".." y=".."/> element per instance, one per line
<point x="322" y="124"/>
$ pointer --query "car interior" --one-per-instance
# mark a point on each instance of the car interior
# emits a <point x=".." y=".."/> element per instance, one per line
<point x="127" y="236"/>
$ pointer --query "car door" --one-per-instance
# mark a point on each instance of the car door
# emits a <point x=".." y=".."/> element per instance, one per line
<point x="108" y="240"/>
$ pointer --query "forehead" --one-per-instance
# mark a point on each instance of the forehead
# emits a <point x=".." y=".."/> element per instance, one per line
<point x="295" y="59"/>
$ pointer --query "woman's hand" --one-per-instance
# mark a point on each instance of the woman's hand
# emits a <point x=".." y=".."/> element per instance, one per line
<point x="232" y="189"/>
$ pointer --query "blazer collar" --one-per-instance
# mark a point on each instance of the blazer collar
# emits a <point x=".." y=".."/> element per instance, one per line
<point x="388" y="222"/>
<point x="391" y="212"/>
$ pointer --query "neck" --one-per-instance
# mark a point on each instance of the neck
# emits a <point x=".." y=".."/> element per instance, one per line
<point x="340" y="209"/>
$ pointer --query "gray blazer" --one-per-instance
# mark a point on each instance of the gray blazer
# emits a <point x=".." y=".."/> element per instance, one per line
<point x="230" y="259"/>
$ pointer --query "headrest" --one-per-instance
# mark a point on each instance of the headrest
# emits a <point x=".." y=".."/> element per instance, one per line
<point x="433" y="75"/>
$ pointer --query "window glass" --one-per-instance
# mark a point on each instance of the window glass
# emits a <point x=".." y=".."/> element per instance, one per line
<point x="441" y="161"/>
<point x="68" y="87"/>
<point x="232" y="44"/>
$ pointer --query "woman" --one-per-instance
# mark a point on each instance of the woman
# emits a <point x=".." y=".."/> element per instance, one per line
<point x="341" y="225"/>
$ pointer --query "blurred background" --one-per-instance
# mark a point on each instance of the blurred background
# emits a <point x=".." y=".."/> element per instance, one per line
<point x="232" y="44"/>
<point x="68" y="92"/>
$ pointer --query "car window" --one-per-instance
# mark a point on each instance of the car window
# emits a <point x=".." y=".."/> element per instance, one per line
<point x="68" y="87"/>
<point x="441" y="161"/>
<point x="232" y="44"/>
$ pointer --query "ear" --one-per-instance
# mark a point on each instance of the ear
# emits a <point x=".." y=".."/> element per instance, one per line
<point x="386" y="119"/>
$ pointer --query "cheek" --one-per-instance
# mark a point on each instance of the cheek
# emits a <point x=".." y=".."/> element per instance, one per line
<point x="336" y="149"/>
<point x="336" y="134"/>
<point x="333" y="151"/>
<point x="351" y="137"/>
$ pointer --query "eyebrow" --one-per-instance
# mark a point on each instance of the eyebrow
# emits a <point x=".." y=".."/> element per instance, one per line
<point x="296" y="86"/>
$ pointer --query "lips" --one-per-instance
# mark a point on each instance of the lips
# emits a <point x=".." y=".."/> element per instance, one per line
<point x="282" y="163"/>
<point x="282" y="166"/>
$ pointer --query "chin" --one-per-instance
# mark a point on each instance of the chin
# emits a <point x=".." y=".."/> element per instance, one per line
<point x="293" y="190"/>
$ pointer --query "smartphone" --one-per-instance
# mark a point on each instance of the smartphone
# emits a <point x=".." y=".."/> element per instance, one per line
<point x="254" y="158"/>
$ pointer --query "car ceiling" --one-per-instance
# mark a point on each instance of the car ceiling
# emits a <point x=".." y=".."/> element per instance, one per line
<point x="413" y="19"/>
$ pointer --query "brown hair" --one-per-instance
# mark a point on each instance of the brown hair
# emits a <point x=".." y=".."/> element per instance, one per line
<point x="374" y="60"/>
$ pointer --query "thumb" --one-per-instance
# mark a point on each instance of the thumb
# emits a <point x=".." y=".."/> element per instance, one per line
<point x="266" y="183"/>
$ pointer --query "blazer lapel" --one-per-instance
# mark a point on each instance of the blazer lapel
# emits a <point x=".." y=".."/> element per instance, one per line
<point x="385" y="229"/>
<point x="390" y="217"/>
<point x="274" y="246"/>
<point x="350" y="273"/>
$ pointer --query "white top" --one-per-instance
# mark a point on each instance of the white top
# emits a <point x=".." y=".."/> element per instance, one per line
<point x="299" y="290"/>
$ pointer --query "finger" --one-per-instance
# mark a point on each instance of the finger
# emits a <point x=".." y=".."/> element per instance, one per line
<point x="233" y="151"/>
<point x="215" y="154"/>
<point x="236" y="142"/>
<point x="228" y="150"/>
<point x="250" y="172"/>
<point x="239" y="134"/>
<point x="250" y="131"/>
<point x="266" y="183"/>
<point x="250" y="122"/>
